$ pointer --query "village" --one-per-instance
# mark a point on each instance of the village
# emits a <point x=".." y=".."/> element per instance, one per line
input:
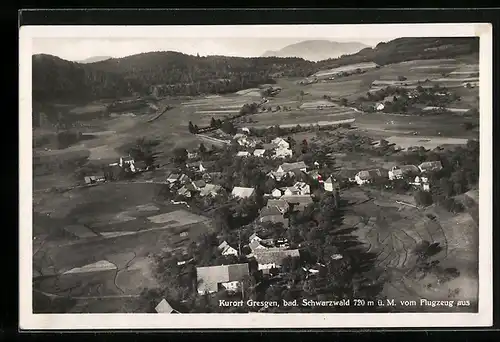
<point x="297" y="185"/>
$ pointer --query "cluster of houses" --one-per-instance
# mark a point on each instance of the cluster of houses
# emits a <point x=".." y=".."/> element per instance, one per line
<point x="278" y="148"/>
<point x="126" y="163"/>
<point x="401" y="172"/>
<point x="268" y="253"/>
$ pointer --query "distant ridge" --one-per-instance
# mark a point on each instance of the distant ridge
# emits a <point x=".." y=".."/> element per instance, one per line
<point x="317" y="50"/>
<point x="94" y="59"/>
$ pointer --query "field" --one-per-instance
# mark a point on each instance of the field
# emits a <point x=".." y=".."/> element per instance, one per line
<point x="393" y="231"/>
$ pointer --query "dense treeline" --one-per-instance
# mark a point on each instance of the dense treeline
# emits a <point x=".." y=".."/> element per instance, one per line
<point x="173" y="73"/>
<point x="407" y="49"/>
<point x="159" y="73"/>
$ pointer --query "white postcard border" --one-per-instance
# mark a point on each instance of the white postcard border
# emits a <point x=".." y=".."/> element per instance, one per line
<point x="30" y="321"/>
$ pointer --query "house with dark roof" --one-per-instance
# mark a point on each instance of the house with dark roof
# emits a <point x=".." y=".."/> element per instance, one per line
<point x="368" y="176"/>
<point x="399" y="172"/>
<point x="279" y="204"/>
<point x="299" y="202"/>
<point x="430" y="166"/>
<point x="290" y="167"/>
<point x="272" y="214"/>
<point x="224" y="277"/>
<point x="272" y="258"/>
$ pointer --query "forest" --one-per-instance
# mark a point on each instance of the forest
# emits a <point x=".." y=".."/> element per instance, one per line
<point x="174" y="73"/>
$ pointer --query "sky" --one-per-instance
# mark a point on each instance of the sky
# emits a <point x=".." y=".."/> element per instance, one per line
<point x="80" y="42"/>
<point x="75" y="49"/>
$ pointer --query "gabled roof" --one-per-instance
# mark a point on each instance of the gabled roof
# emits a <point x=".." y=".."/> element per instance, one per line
<point x="267" y="146"/>
<point x="242" y="154"/>
<point x="293" y="190"/>
<point x="274" y="255"/>
<point x="254" y="235"/>
<point x="174" y="176"/>
<point x="242" y="192"/>
<point x="270" y="211"/>
<point x="199" y="183"/>
<point x="297" y="199"/>
<point x="293" y="166"/>
<point x="164" y="307"/>
<point x="430" y="166"/>
<point x="405" y="169"/>
<point x="370" y="174"/>
<point x="255" y="244"/>
<point x="259" y="152"/>
<point x="209" y="277"/>
<point x="277" y="203"/>
<point x="212" y="189"/>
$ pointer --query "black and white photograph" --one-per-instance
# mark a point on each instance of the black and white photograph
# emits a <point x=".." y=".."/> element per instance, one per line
<point x="313" y="171"/>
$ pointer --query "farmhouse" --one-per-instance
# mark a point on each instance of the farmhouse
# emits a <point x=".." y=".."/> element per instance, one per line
<point x="422" y="182"/>
<point x="213" y="278"/>
<point x="126" y="161"/>
<point x="254" y="237"/>
<point x="291" y="167"/>
<point x="281" y="152"/>
<point x="291" y="190"/>
<point x="281" y="143"/>
<point x="399" y="172"/>
<point x="379" y="106"/>
<point x="164" y="308"/>
<point x="192" y="155"/>
<point x="272" y="214"/>
<point x="199" y="166"/>
<point x="242" y="154"/>
<point x="299" y="202"/>
<point x="98" y="178"/>
<point x="225" y="249"/>
<point x="210" y="190"/>
<point x="276" y="193"/>
<point x="430" y="166"/>
<point x="368" y="176"/>
<point x="199" y="184"/>
<point x="241" y="192"/>
<point x="279" y="204"/>
<point x="272" y="258"/>
<point x="259" y="152"/>
<point x="256" y="245"/>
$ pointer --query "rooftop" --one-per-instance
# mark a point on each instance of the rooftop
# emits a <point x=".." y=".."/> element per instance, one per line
<point x="274" y="255"/>
<point x="164" y="307"/>
<point x="210" y="277"/>
<point x="242" y="192"/>
<point x="293" y="166"/>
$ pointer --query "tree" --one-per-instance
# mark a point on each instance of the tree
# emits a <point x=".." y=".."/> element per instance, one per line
<point x="402" y="78"/>
<point x="191" y="128"/>
<point x="423" y="198"/>
<point x="343" y="101"/>
<point x="196" y="129"/>
<point x="213" y="123"/>
<point x="180" y="155"/>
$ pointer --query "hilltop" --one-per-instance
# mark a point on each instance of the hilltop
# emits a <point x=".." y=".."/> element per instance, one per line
<point x="94" y="59"/>
<point x="407" y="49"/>
<point x="317" y="50"/>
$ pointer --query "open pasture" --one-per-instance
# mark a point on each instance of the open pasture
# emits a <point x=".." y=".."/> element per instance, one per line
<point x="426" y="142"/>
<point x="346" y="68"/>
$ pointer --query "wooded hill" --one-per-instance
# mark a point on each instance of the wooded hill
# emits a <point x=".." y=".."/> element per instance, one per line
<point x="173" y="73"/>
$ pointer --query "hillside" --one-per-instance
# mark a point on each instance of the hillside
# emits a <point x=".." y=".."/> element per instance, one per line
<point x="406" y="49"/>
<point x="163" y="73"/>
<point x="94" y="59"/>
<point x="317" y="50"/>
<point x="173" y="73"/>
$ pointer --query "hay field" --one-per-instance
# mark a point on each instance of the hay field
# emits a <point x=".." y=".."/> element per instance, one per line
<point x="426" y="142"/>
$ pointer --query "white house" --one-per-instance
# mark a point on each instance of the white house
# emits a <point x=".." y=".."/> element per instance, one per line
<point x="254" y="237"/>
<point x="225" y="249"/>
<point x="399" y="172"/>
<point x="280" y="204"/>
<point x="259" y="152"/>
<point x="276" y="193"/>
<point x="282" y="152"/>
<point x="423" y="182"/>
<point x="126" y="161"/>
<point x="380" y="106"/>
<point x="329" y="184"/>
<point x="210" y="190"/>
<point x="281" y="143"/>
<point x="213" y="278"/>
<point x="242" y="154"/>
<point x="192" y="155"/>
<point x="245" y="130"/>
<point x="430" y="166"/>
<point x="242" y="192"/>
<point x="164" y="308"/>
<point x="291" y="190"/>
